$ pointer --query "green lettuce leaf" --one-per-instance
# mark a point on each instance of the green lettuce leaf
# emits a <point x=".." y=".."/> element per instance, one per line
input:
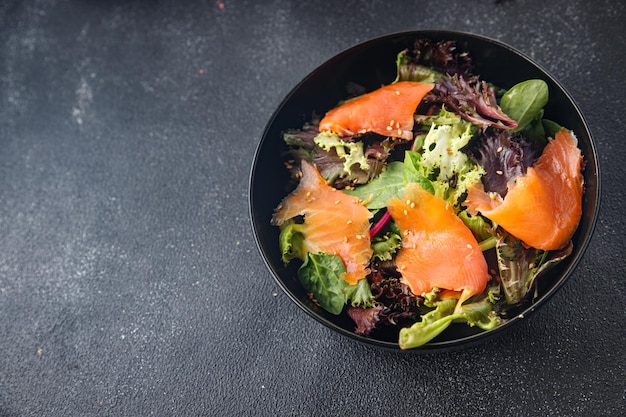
<point x="520" y="265"/>
<point x="479" y="313"/>
<point x="414" y="171"/>
<point x="351" y="152"/>
<point x="290" y="240"/>
<point x="385" y="247"/>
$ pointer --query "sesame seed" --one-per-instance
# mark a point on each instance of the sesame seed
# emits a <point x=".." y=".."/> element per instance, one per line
<point x="412" y="204"/>
<point x="499" y="149"/>
<point x="408" y="202"/>
<point x="499" y="172"/>
<point x="403" y="267"/>
<point x="349" y="222"/>
<point x="345" y="239"/>
<point x="399" y="131"/>
<point x="397" y="93"/>
<point x="397" y="125"/>
<point x="389" y="128"/>
<point x="359" y="237"/>
<point x="308" y="194"/>
<point x="337" y="201"/>
<point x="469" y="246"/>
<point x="531" y="265"/>
<point x="391" y="122"/>
<point x="405" y="212"/>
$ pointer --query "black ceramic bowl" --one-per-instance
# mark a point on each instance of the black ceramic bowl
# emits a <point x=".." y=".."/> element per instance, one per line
<point x="372" y="64"/>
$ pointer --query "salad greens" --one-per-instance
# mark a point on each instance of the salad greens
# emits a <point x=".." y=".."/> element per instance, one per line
<point x="524" y="101"/>
<point x="320" y="274"/>
<point x="467" y="131"/>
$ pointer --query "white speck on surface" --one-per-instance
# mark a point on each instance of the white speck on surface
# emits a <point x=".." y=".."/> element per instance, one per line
<point x="84" y="97"/>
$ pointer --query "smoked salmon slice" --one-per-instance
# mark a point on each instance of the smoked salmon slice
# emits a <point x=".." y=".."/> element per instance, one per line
<point x="387" y="111"/>
<point x="438" y="249"/>
<point x="543" y="207"/>
<point x="335" y="223"/>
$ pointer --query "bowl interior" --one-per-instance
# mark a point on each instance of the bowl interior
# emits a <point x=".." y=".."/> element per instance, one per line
<point x="372" y="64"/>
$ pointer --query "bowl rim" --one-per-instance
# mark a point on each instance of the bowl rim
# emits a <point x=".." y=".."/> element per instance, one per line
<point x="477" y="338"/>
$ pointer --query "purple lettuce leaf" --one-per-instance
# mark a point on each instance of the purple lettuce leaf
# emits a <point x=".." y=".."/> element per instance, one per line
<point x="504" y="156"/>
<point x="472" y="99"/>
<point x="393" y="300"/>
<point x="302" y="146"/>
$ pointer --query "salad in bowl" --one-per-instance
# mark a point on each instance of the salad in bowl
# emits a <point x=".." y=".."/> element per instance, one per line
<point x="431" y="208"/>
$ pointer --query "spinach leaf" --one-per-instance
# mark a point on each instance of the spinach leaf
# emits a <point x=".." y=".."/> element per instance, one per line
<point x="524" y="101"/>
<point x="550" y="127"/>
<point x="320" y="274"/>
<point x="377" y="193"/>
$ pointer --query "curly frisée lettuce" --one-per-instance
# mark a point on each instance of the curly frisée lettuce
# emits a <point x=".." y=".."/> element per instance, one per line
<point x="444" y="163"/>
<point x="350" y="152"/>
<point x="341" y="161"/>
<point x="469" y="139"/>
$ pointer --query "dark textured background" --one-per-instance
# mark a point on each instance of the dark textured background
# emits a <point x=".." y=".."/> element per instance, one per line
<point x="129" y="280"/>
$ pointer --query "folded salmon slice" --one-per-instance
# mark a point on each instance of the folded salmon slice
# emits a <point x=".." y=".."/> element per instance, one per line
<point x="438" y="250"/>
<point x="543" y="207"/>
<point x="387" y="111"/>
<point x="335" y="223"/>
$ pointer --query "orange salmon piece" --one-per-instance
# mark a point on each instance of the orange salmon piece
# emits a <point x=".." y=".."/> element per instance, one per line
<point x="543" y="207"/>
<point x="387" y="111"/>
<point x="438" y="249"/>
<point x="335" y="223"/>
